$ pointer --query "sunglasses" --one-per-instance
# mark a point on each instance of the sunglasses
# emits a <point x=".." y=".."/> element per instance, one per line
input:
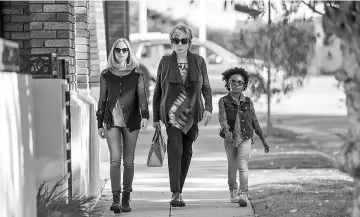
<point x="123" y="50"/>
<point x="233" y="82"/>
<point x="178" y="40"/>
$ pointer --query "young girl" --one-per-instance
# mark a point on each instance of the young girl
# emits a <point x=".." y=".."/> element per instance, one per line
<point x="238" y="121"/>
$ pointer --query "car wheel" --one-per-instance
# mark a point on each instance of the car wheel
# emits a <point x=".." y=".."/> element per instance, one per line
<point x="256" y="86"/>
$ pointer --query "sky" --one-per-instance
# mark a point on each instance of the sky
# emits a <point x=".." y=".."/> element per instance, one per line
<point x="216" y="16"/>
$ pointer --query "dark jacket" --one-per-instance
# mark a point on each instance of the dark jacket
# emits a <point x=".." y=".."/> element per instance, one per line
<point x="229" y="109"/>
<point x="169" y="84"/>
<point x="130" y="89"/>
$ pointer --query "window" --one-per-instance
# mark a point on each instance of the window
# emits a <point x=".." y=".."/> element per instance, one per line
<point x="146" y="51"/>
<point x="167" y="49"/>
<point x="211" y="57"/>
<point x="195" y="49"/>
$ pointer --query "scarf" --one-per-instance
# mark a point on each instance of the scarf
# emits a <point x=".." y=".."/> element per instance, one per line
<point x="114" y="65"/>
<point x="180" y="112"/>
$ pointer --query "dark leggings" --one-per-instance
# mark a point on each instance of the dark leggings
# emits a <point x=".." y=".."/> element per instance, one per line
<point x="179" y="149"/>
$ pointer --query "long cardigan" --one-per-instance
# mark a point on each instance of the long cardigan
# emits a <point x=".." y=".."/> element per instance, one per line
<point x="168" y="87"/>
<point x="130" y="89"/>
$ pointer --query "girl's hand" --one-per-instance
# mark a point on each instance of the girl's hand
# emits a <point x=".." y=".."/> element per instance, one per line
<point x="228" y="135"/>
<point x="101" y="133"/>
<point x="267" y="149"/>
<point x="144" y="123"/>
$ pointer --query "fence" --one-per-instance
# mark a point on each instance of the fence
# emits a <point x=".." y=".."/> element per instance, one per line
<point x="17" y="162"/>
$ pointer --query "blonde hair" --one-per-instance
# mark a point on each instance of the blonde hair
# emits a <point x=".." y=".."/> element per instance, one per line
<point x="183" y="28"/>
<point x="131" y="61"/>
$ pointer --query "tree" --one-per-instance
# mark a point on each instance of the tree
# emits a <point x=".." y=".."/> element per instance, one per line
<point x="283" y="45"/>
<point x="341" y="21"/>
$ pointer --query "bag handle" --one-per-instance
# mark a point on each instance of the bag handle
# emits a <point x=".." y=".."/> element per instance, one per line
<point x="157" y="133"/>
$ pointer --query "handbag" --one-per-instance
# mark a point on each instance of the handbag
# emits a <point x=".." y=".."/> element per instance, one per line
<point x="157" y="150"/>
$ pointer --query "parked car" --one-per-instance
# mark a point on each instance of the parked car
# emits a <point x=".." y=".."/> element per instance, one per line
<point x="150" y="47"/>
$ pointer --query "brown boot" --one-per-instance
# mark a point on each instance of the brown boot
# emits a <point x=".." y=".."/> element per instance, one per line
<point x="125" y="201"/>
<point x="115" y="206"/>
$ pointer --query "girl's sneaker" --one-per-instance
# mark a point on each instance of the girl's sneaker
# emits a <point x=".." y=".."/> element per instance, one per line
<point x="243" y="199"/>
<point x="234" y="196"/>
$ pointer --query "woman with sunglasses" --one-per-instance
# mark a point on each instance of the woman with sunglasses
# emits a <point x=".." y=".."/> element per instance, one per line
<point x="238" y="121"/>
<point x="122" y="111"/>
<point x="181" y="81"/>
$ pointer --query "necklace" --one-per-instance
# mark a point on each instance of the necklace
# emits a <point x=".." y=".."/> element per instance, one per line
<point x="182" y="66"/>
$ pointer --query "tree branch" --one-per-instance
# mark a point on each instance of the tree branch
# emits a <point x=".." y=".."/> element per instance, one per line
<point x="312" y="7"/>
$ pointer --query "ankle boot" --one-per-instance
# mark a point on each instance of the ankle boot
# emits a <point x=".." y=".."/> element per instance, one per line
<point x="115" y="206"/>
<point x="175" y="199"/>
<point x="125" y="201"/>
<point x="181" y="201"/>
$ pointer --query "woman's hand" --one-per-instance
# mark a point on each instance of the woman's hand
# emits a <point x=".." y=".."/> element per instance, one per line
<point x="101" y="133"/>
<point x="266" y="147"/>
<point x="157" y="125"/>
<point x="144" y="123"/>
<point x="206" y="117"/>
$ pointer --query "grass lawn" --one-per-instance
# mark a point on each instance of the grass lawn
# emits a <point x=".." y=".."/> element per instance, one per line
<point x="288" y="150"/>
<point x="299" y="193"/>
<point x="314" y="197"/>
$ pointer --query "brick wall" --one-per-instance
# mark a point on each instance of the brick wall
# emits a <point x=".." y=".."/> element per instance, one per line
<point x="116" y="21"/>
<point x="52" y="29"/>
<point x="98" y="54"/>
<point x="82" y="41"/>
<point x="15" y="23"/>
<point x="42" y="27"/>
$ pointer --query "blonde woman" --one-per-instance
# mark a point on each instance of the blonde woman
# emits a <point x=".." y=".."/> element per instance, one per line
<point x="122" y="111"/>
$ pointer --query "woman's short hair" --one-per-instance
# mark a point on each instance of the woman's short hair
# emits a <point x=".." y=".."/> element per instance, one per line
<point x="235" y="71"/>
<point x="131" y="57"/>
<point x="183" y="28"/>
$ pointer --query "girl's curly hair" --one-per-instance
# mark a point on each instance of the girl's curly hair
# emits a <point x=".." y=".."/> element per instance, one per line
<point x="235" y="71"/>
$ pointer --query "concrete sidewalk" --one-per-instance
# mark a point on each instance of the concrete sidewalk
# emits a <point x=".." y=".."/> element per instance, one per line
<point x="154" y="203"/>
<point x="204" y="194"/>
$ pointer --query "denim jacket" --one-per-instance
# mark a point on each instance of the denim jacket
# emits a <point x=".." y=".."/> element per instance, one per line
<point x="228" y="111"/>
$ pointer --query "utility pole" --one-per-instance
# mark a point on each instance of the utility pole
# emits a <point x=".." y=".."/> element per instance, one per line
<point x="269" y="126"/>
<point x="202" y="27"/>
<point x="143" y="28"/>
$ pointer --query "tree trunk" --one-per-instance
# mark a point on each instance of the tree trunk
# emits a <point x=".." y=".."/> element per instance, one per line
<point x="349" y="158"/>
